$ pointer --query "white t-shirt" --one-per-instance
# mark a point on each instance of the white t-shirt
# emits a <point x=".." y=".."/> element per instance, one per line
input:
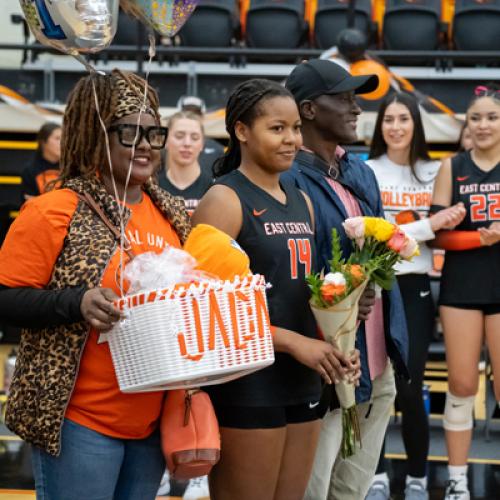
<point x="401" y="191"/>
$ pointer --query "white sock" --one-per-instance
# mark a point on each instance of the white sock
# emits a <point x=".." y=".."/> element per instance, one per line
<point x="383" y="478"/>
<point x="421" y="480"/>
<point x="458" y="472"/>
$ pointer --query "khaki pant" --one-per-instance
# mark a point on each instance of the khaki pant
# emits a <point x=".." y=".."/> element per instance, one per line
<point x="335" y="478"/>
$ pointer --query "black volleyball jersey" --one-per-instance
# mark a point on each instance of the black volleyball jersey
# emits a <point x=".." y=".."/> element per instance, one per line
<point x="193" y="193"/>
<point x="473" y="276"/>
<point x="279" y="241"/>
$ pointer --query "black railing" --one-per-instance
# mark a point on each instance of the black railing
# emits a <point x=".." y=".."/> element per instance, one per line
<point x="443" y="58"/>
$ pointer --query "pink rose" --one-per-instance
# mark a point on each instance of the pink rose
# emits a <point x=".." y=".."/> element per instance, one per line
<point x="410" y="249"/>
<point x="397" y="241"/>
<point x="354" y="227"/>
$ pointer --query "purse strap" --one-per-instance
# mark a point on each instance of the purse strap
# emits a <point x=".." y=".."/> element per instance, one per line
<point x="86" y="198"/>
<point x="188" y="395"/>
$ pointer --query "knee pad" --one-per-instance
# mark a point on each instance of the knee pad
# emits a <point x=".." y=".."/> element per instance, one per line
<point x="458" y="413"/>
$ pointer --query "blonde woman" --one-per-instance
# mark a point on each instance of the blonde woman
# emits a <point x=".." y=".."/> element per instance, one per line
<point x="183" y="175"/>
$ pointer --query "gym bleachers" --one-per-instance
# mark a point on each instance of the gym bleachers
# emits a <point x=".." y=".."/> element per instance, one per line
<point x="331" y="17"/>
<point x="394" y="25"/>
<point x="413" y="25"/>
<point x="221" y="16"/>
<point x="388" y="24"/>
<point x="276" y="24"/>
<point x="476" y="25"/>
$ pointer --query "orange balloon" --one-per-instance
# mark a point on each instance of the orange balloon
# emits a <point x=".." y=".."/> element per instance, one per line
<point x="369" y="67"/>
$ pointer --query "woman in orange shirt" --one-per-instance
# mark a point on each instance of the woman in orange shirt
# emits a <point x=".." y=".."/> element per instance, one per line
<point x="59" y="275"/>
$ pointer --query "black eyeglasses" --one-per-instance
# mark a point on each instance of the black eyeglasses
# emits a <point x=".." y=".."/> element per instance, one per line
<point x="131" y="135"/>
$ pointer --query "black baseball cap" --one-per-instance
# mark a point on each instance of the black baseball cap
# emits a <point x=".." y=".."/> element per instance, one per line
<point x="316" y="77"/>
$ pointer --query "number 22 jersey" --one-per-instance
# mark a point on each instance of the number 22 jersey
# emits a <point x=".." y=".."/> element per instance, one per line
<point x="279" y="241"/>
<point x="473" y="276"/>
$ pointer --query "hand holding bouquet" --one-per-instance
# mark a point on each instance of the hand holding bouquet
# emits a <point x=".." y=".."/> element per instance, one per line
<point x="378" y="246"/>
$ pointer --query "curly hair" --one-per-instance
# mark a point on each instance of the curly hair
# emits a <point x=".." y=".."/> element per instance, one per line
<point x="83" y="141"/>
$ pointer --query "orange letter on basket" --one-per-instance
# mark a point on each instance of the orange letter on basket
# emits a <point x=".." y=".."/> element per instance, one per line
<point x="199" y="335"/>
<point x="234" y="322"/>
<point x="262" y="313"/>
<point x="215" y="316"/>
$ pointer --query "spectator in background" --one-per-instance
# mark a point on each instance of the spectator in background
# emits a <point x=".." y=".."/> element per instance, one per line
<point x="184" y="176"/>
<point x="405" y="174"/>
<point x="212" y="149"/>
<point x="45" y="165"/>
<point x="465" y="139"/>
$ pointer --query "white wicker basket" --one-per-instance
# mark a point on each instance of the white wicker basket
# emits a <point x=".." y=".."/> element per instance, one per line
<point x="191" y="336"/>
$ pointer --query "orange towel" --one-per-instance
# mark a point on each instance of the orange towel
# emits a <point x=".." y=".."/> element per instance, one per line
<point x="217" y="253"/>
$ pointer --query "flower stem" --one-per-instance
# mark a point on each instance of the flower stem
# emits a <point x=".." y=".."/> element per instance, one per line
<point x="350" y="431"/>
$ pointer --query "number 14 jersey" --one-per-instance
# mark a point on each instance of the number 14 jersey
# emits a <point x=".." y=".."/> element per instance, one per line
<point x="279" y="241"/>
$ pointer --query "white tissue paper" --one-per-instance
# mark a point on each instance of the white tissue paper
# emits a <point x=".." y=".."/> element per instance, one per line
<point x="150" y="270"/>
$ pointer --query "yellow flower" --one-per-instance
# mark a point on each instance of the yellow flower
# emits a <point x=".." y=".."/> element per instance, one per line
<point x="378" y="228"/>
<point x="370" y="223"/>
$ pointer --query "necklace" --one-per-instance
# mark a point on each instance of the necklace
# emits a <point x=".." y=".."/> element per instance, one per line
<point x="333" y="172"/>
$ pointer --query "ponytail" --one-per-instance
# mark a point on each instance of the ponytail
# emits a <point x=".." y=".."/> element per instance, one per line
<point x="231" y="159"/>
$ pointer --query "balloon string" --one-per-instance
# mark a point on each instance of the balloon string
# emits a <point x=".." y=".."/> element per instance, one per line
<point x="113" y="182"/>
<point x="151" y="54"/>
<point x="122" y="202"/>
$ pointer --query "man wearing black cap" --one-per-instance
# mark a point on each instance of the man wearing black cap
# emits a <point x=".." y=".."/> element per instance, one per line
<point x="340" y="186"/>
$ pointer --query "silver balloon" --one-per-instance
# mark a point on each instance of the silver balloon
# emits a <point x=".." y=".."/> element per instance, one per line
<point x="72" y="26"/>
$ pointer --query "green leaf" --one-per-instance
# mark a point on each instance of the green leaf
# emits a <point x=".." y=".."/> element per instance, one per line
<point x="337" y="260"/>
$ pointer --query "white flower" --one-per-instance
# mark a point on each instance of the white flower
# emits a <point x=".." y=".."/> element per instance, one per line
<point x="336" y="279"/>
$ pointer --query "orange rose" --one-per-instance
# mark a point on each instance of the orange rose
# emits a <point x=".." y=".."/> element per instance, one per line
<point x="357" y="274"/>
<point x="330" y="291"/>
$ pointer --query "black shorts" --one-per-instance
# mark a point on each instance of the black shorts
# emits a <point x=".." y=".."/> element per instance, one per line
<point x="265" y="417"/>
<point x="486" y="309"/>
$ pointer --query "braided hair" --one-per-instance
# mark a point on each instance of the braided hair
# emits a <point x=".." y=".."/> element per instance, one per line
<point x="244" y="105"/>
<point x="83" y="144"/>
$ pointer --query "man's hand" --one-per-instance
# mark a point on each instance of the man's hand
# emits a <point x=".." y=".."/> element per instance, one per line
<point x="366" y="303"/>
<point x="98" y="309"/>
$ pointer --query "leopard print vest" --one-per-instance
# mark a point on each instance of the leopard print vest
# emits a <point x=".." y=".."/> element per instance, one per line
<point x="48" y="359"/>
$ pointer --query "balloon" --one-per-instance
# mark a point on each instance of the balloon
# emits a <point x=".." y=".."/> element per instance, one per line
<point x="164" y="16"/>
<point x="370" y="67"/>
<point x="72" y="26"/>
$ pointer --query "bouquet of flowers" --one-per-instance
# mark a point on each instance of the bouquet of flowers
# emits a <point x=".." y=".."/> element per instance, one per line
<point x="378" y="246"/>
